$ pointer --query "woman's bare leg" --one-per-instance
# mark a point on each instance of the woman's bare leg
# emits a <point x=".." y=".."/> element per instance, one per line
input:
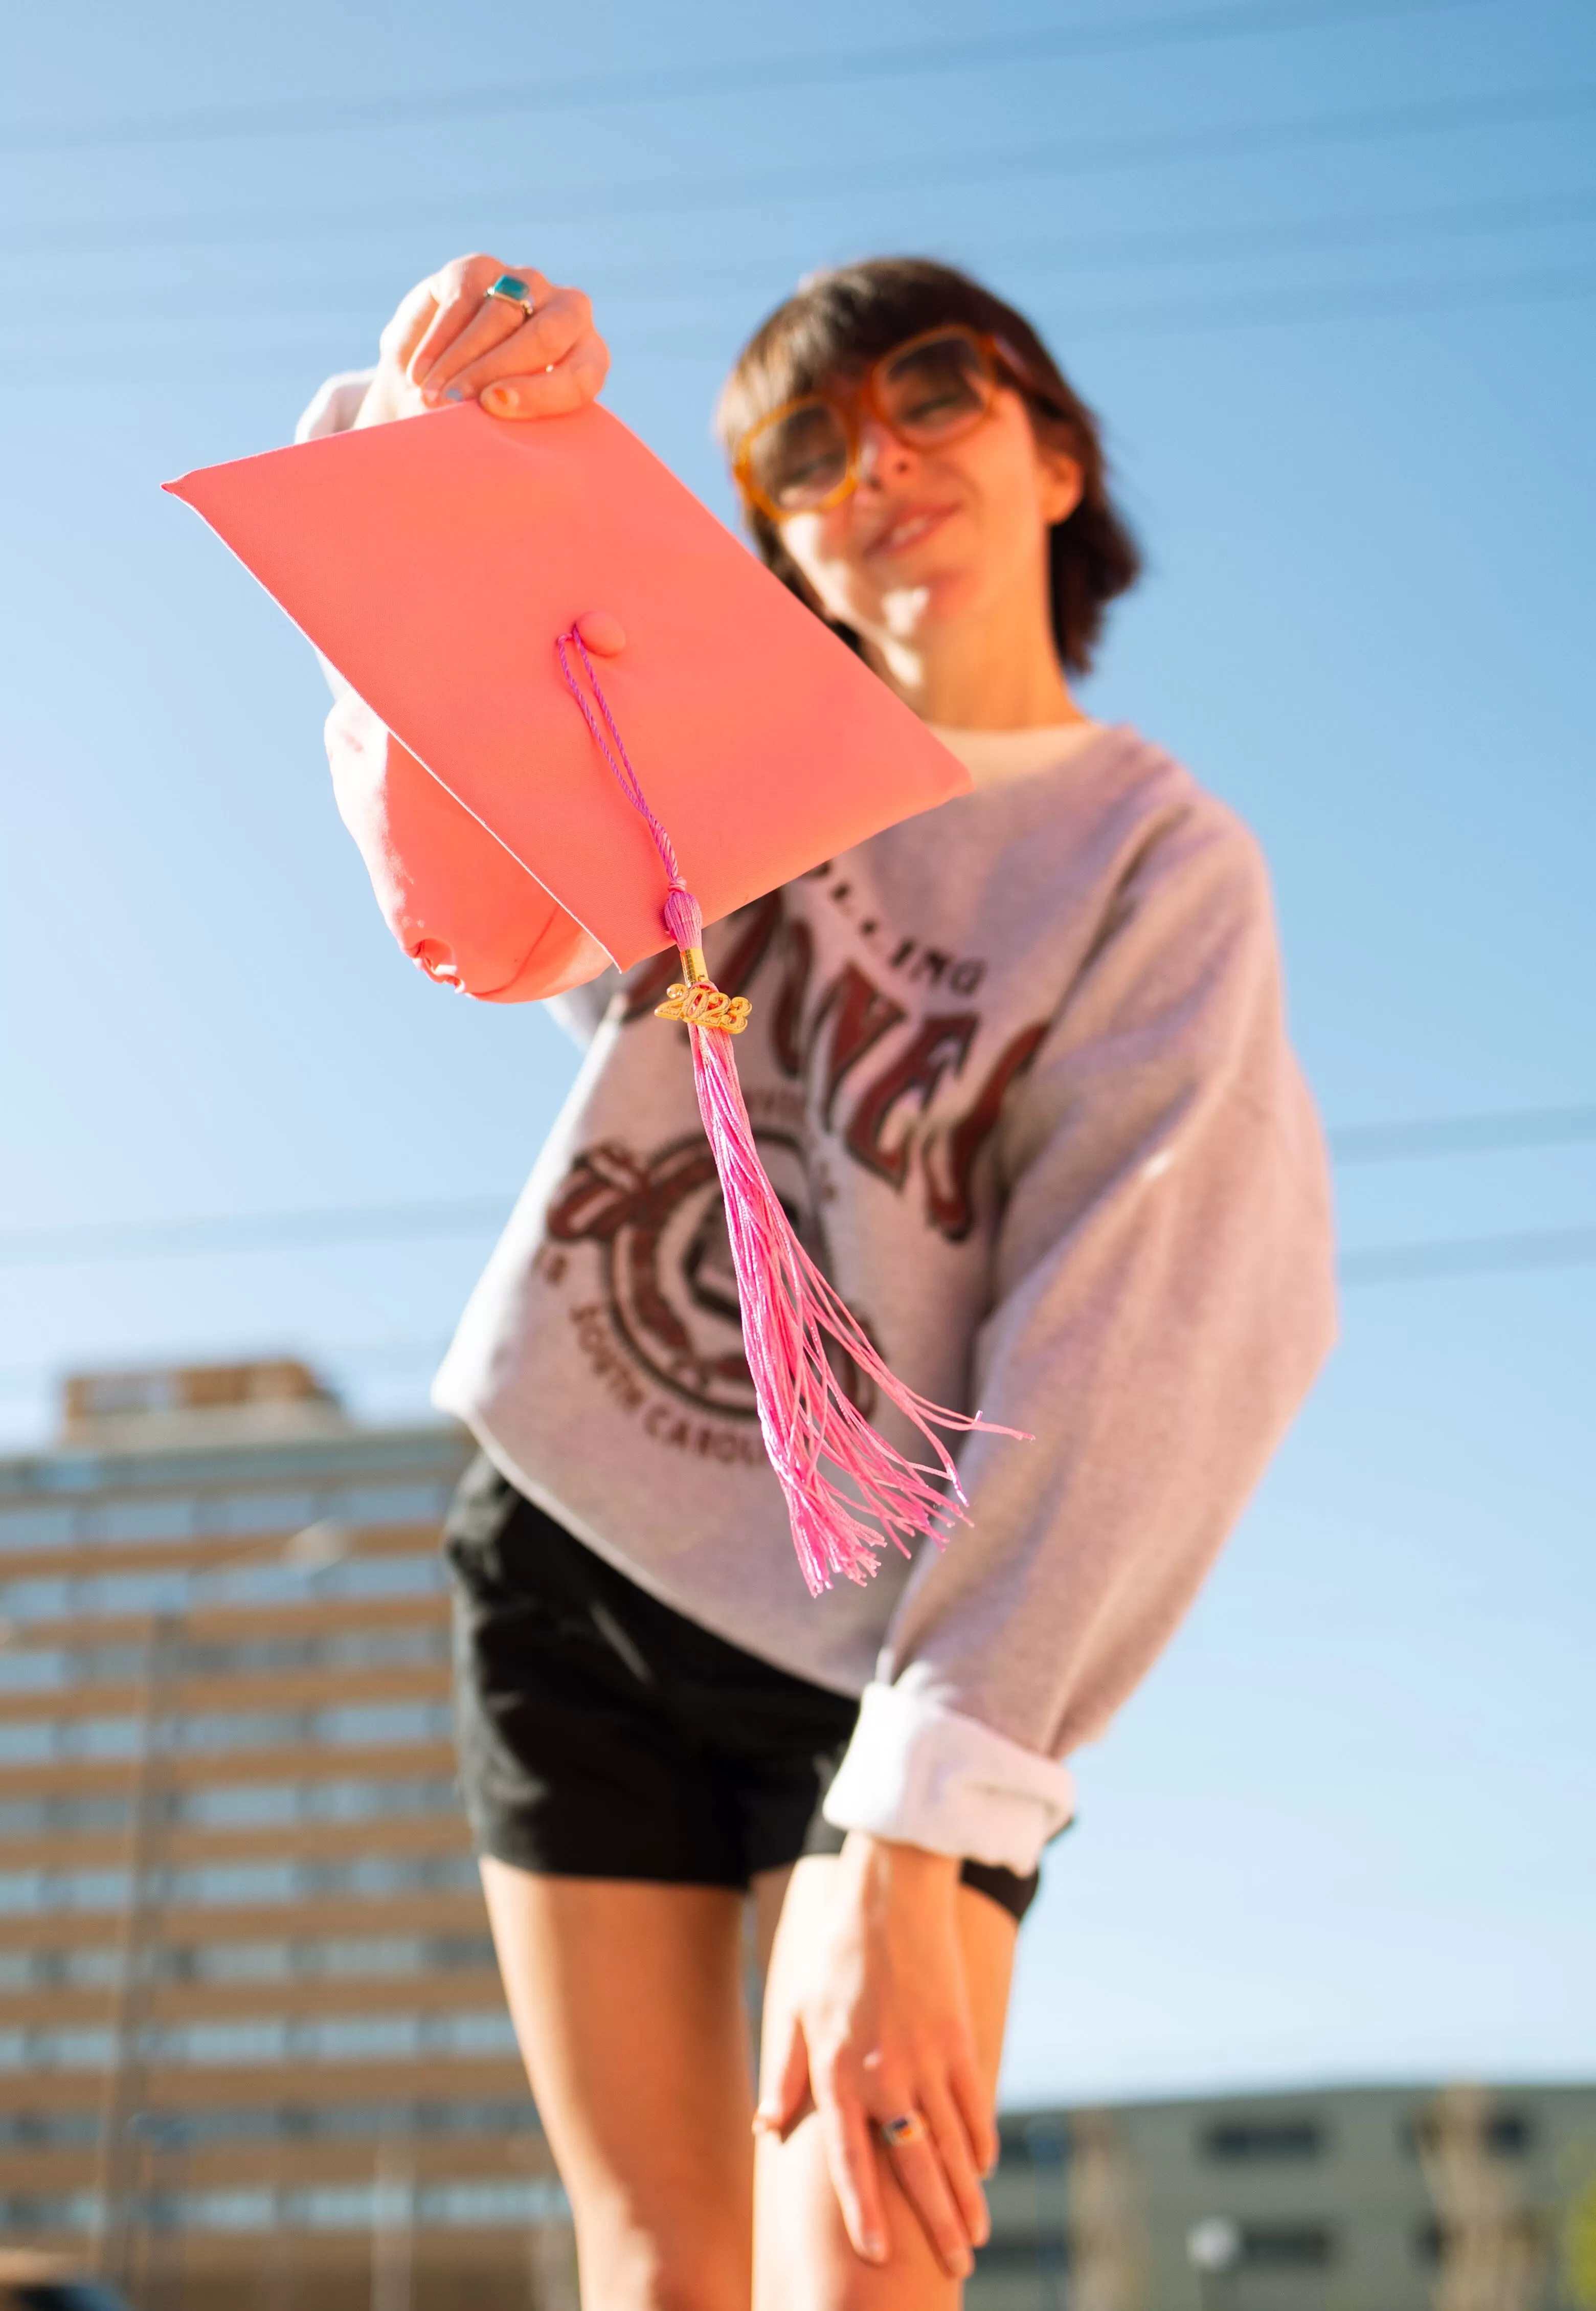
<point x="628" y="2006"/>
<point x="803" y="2261"/>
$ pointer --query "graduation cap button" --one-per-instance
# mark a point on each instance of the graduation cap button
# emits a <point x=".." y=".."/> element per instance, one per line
<point x="603" y="632"/>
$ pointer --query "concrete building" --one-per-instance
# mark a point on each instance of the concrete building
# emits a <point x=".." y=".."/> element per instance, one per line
<point x="253" y="2046"/>
<point x="1352" y="2199"/>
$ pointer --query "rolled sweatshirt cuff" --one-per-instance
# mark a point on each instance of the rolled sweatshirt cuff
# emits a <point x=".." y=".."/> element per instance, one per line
<point x="336" y="406"/>
<point x="925" y="1775"/>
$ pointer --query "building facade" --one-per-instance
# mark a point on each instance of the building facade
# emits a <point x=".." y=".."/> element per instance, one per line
<point x="1353" y="2198"/>
<point x="253" y="2046"/>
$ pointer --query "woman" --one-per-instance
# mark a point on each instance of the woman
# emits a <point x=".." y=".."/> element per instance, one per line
<point x="1021" y="1065"/>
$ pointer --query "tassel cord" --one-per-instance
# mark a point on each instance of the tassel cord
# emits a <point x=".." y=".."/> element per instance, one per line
<point x="789" y="1310"/>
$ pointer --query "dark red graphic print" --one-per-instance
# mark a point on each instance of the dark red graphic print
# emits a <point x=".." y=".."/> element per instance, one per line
<point x="950" y="1198"/>
<point x="940" y="1043"/>
<point x="659" y="1222"/>
<point x="670" y="1286"/>
<point x="824" y="1041"/>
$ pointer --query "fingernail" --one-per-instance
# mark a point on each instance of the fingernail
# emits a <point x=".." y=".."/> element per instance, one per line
<point x="455" y="393"/>
<point x="875" y="2248"/>
<point x="498" y="401"/>
<point x="963" y="2263"/>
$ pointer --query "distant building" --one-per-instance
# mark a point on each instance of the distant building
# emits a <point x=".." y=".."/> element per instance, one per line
<point x="1353" y="2198"/>
<point x="253" y="2046"/>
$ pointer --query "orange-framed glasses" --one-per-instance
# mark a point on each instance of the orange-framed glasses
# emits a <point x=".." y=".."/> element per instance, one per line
<point x="803" y="456"/>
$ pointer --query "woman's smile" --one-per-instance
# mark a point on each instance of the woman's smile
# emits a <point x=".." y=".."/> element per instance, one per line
<point x="909" y="527"/>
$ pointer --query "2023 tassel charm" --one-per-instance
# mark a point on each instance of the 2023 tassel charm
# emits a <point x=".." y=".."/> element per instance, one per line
<point x="834" y="1469"/>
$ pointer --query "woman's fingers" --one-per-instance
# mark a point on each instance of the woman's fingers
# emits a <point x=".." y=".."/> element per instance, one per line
<point x="923" y="2178"/>
<point x="571" y="383"/>
<point x="459" y="289"/>
<point x="851" y="2157"/>
<point x="560" y="332"/>
<point x="462" y="344"/>
<point x="787" y="2100"/>
<point x="450" y="341"/>
<point x="950" y="2136"/>
<point x="409" y="325"/>
<point x="934" y="2168"/>
<point x="975" y="2108"/>
<point x="494" y="324"/>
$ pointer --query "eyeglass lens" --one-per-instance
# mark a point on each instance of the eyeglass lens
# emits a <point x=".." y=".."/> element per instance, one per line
<point x="926" y="393"/>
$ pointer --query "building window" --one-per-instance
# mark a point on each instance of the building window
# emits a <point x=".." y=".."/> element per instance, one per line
<point x="1287" y="2246"/>
<point x="352" y="2207"/>
<point x="1042" y="2260"/>
<point x="1503" y="2133"/>
<point x="1234" y="2140"/>
<point x="35" y="1528"/>
<point x="1515" y="2238"/>
<point x="67" y="2211"/>
<point x="394" y="1504"/>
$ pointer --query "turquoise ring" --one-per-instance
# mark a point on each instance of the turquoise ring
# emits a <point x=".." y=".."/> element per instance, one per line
<point x="509" y="291"/>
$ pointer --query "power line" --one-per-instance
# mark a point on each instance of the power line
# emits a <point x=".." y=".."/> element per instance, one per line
<point x="93" y="1240"/>
<point x="1463" y="1134"/>
<point x="91" y="1243"/>
<point x="1398" y="300"/>
<point x="666" y="83"/>
<point x="1538" y="1250"/>
<point x="1421" y="1263"/>
<point x="654" y="198"/>
<point x="1396" y="1263"/>
<point x="1378" y="228"/>
<point x="1369" y="298"/>
<point x="1290" y="235"/>
<point x="1242" y="309"/>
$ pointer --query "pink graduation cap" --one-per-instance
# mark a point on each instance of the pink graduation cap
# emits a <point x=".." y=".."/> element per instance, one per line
<point x="505" y="601"/>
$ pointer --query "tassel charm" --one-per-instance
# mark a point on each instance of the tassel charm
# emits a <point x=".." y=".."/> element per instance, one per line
<point x="698" y="1002"/>
<point x="848" y="1493"/>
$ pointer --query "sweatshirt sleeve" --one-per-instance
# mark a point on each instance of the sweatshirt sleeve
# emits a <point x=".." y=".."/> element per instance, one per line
<point x="1163" y="1295"/>
<point x="333" y="406"/>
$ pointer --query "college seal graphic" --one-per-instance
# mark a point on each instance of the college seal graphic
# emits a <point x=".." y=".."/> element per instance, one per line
<point x="660" y="1226"/>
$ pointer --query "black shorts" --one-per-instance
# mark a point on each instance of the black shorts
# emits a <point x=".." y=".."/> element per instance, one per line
<point x="602" y="1735"/>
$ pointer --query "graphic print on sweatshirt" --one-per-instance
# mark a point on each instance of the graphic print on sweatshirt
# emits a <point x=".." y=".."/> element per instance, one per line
<point x="670" y="1292"/>
<point x="859" y="1057"/>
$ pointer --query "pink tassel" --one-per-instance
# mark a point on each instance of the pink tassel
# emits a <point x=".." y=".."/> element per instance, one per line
<point x="833" y="1469"/>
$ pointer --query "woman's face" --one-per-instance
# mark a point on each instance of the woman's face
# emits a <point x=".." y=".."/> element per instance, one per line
<point x="932" y="539"/>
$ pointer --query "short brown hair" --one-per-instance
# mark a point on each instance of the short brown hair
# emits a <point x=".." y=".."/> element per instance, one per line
<point x="842" y="321"/>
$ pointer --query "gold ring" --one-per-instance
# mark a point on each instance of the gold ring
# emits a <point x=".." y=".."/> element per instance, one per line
<point x="511" y="290"/>
<point x="899" y="2133"/>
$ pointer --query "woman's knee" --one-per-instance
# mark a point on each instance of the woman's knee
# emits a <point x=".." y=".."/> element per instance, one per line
<point x="682" y="2265"/>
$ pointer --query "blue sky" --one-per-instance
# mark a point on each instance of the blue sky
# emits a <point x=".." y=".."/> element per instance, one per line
<point x="1327" y="272"/>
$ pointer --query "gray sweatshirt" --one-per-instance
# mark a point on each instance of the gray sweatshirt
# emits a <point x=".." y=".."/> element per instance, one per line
<point x="1018" y="1067"/>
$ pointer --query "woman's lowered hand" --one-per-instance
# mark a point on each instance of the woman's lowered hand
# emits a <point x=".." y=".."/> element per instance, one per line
<point x="450" y="341"/>
<point x="881" y="2030"/>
